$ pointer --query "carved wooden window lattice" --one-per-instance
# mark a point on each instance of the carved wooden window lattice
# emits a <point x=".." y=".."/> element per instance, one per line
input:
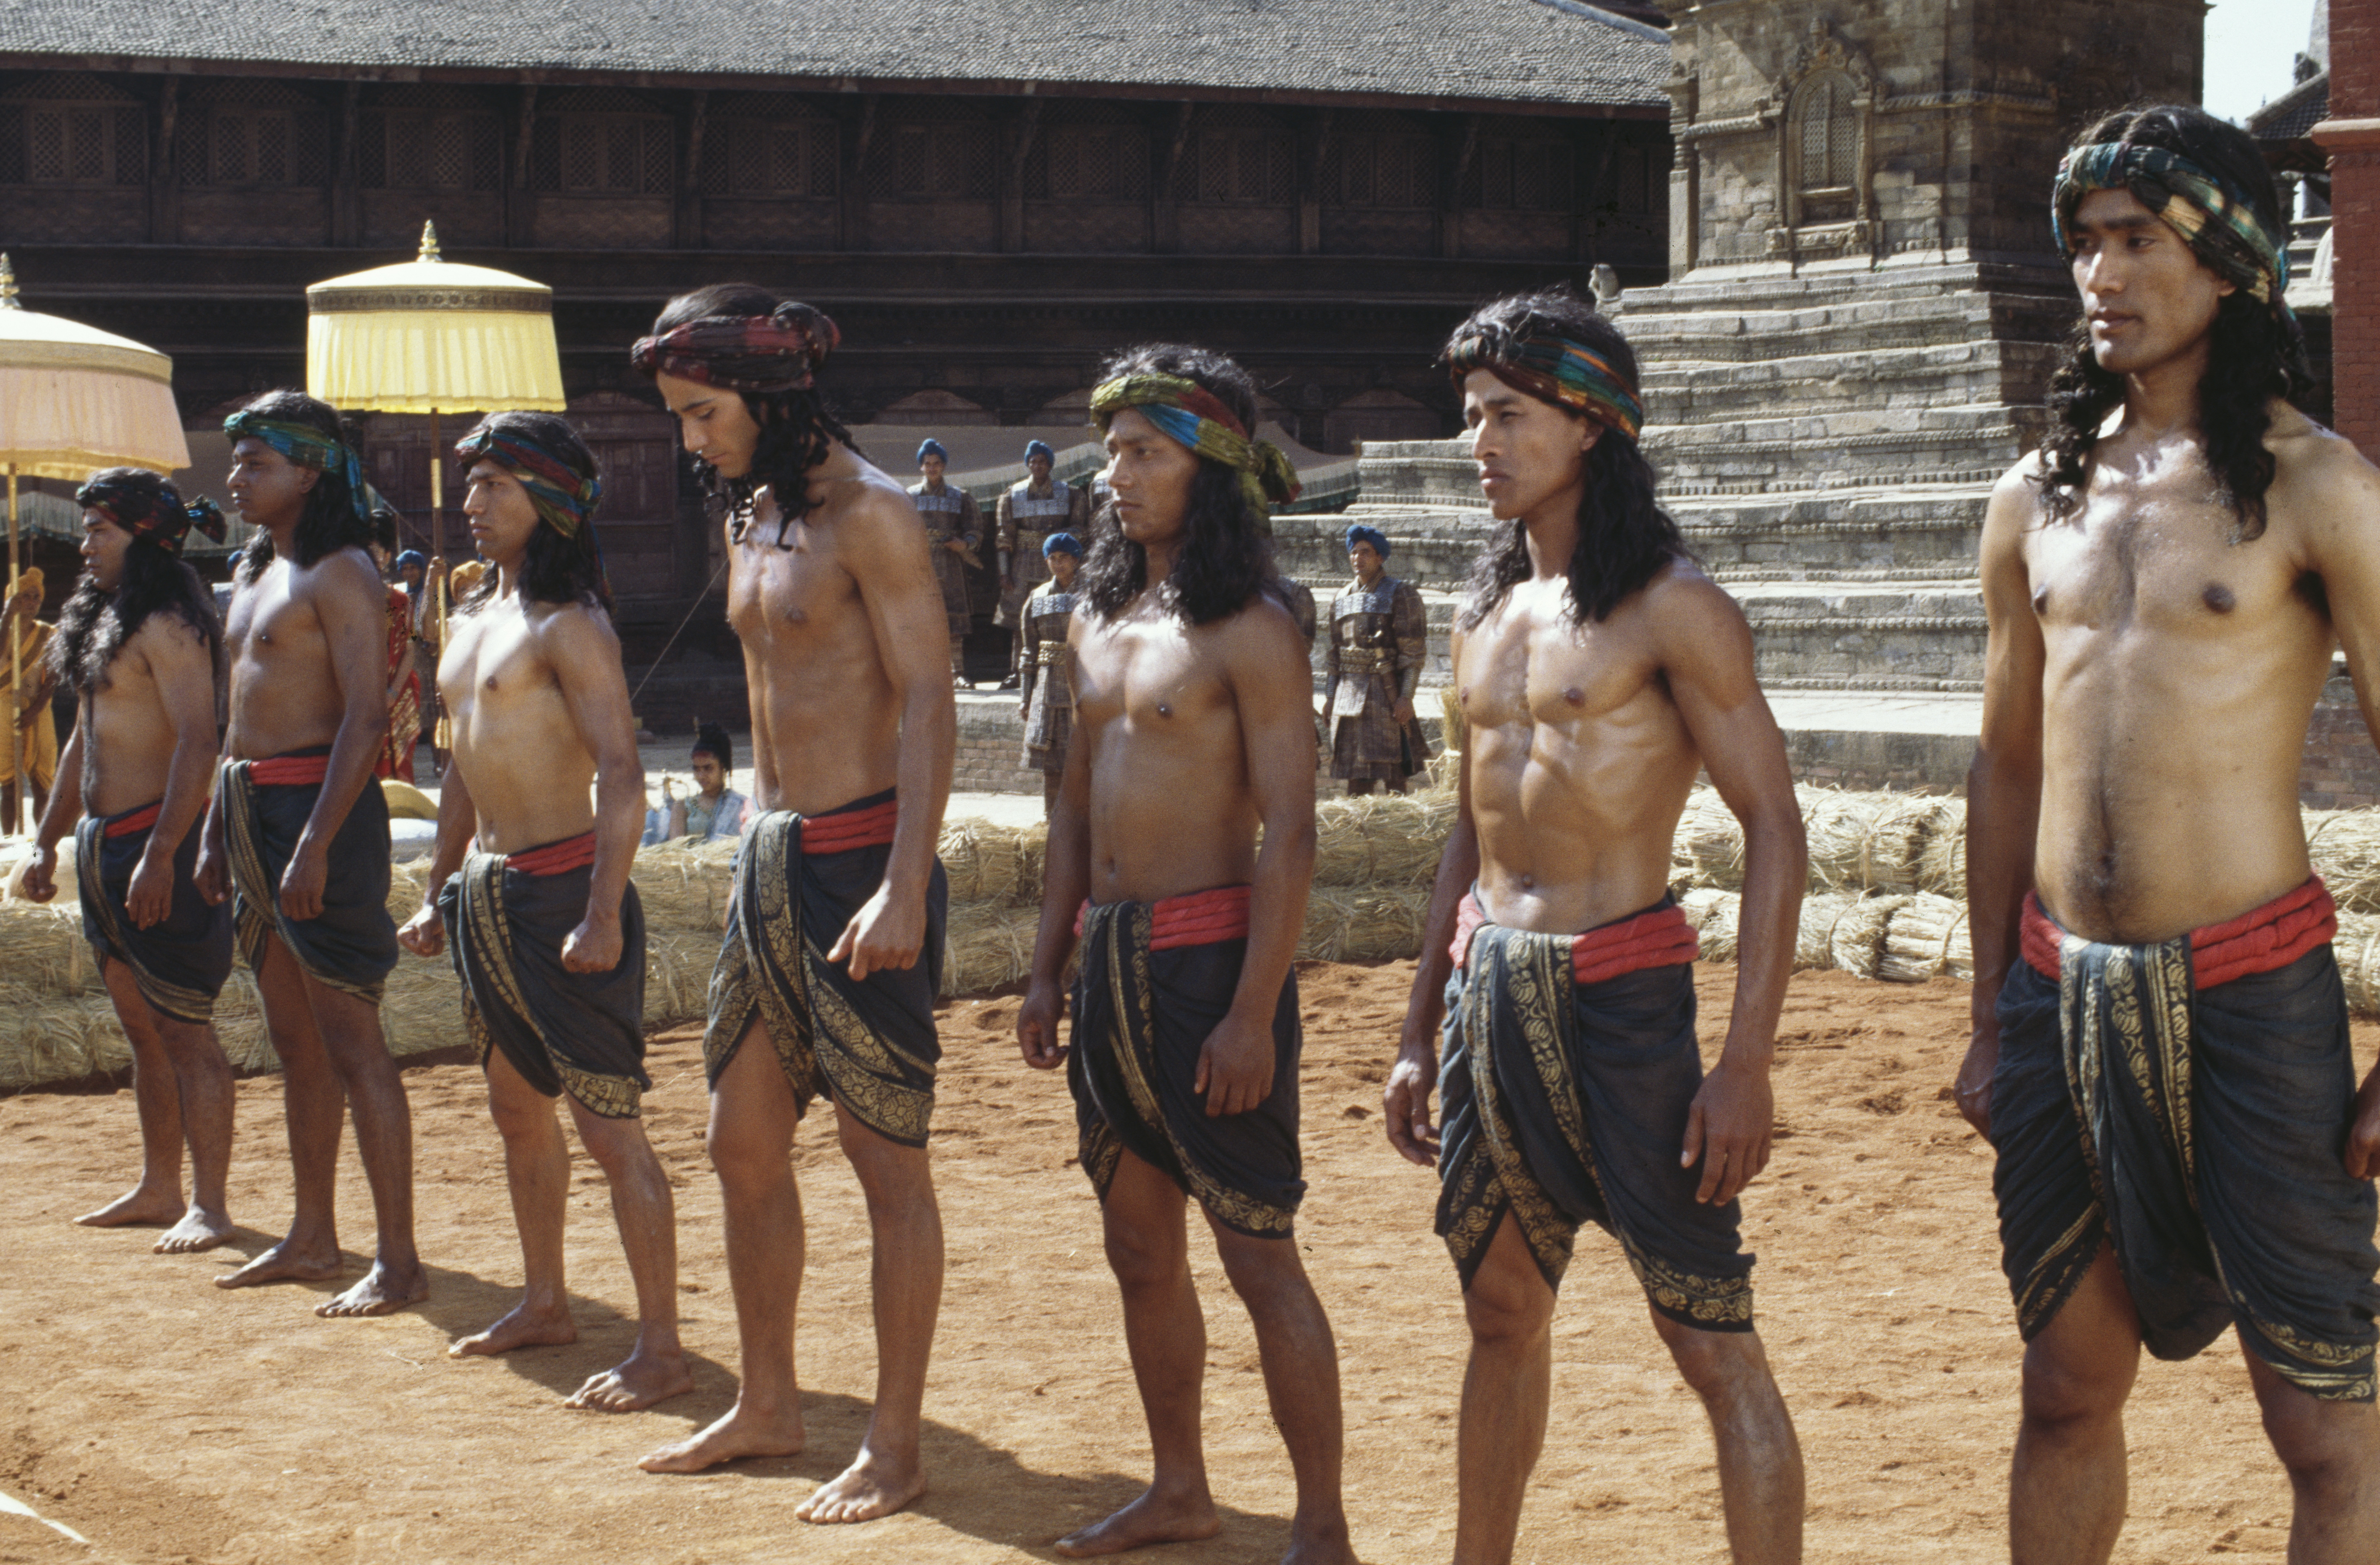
<point x="602" y="154"/>
<point x="1088" y="162"/>
<point x="1824" y="136"/>
<point x="1521" y="174"/>
<point x="770" y="155"/>
<point x="72" y="129"/>
<point x="1380" y="162"/>
<point x="1238" y="157"/>
<point x="922" y="158"/>
<point x="429" y="151"/>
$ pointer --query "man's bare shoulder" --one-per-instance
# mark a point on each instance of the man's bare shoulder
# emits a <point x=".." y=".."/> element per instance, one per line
<point x="343" y="572"/>
<point x="164" y="638"/>
<point x="1682" y="599"/>
<point x="865" y="513"/>
<point x="2313" y="464"/>
<point x="569" y="631"/>
<point x="1262" y="626"/>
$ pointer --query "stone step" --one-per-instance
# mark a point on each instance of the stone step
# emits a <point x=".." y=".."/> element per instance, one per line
<point x="1952" y="375"/>
<point x="1732" y="336"/>
<point x="1906" y="285"/>
<point x="1914" y="636"/>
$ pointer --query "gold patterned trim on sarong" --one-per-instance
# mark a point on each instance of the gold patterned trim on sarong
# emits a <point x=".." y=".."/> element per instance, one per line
<point x="480" y="890"/>
<point x="177" y="1002"/>
<point x="1132" y="990"/>
<point x="257" y="907"/>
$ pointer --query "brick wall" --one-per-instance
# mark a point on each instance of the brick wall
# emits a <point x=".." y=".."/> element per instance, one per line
<point x="2351" y="135"/>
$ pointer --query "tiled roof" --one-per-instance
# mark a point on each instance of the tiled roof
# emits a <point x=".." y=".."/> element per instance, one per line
<point x="1552" y="51"/>
<point x="2290" y="116"/>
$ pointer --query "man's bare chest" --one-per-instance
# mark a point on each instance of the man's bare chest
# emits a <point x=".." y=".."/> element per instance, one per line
<point x="1527" y="671"/>
<point x="2164" y="567"/>
<point x="791" y="597"/>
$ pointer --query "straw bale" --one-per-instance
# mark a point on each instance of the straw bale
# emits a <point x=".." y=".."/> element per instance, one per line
<point x="12" y="879"/>
<point x="990" y="863"/>
<point x="1858" y="943"/>
<point x="1813" y="940"/>
<point x="2358" y="950"/>
<point x="1942" y="866"/>
<point x="988" y="944"/>
<point x="1928" y="935"/>
<point x="2344" y="847"/>
<point x="1381" y="840"/>
<point x="1708" y="847"/>
<point x="46" y="1037"/>
<point x="1713" y="913"/>
<point x="1345" y="925"/>
<point x="684" y="885"/>
<point x="42" y="951"/>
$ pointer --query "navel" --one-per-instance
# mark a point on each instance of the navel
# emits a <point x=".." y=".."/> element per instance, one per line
<point x="2218" y="598"/>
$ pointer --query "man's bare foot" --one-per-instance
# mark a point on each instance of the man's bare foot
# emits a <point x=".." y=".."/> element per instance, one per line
<point x="737" y="1434"/>
<point x="1150" y="1519"/>
<point x="869" y="1488"/>
<point x="198" y="1230"/>
<point x="135" y="1208"/>
<point x="1328" y="1548"/>
<point x="518" y="1328"/>
<point x="638" y="1381"/>
<point x="382" y="1292"/>
<point x="287" y="1262"/>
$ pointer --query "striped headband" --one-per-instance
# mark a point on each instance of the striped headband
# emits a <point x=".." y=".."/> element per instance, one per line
<point x="2215" y="218"/>
<point x="307" y="447"/>
<point x="757" y="353"/>
<point x="157" y="514"/>
<point x="1555" y="369"/>
<point x="563" y="496"/>
<point x="1188" y="414"/>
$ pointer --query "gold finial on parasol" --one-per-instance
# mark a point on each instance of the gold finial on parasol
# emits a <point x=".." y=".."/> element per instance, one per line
<point x="429" y="242"/>
<point x="7" y="283"/>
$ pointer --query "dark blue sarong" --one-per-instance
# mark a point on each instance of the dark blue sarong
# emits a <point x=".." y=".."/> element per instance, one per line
<point x="180" y="962"/>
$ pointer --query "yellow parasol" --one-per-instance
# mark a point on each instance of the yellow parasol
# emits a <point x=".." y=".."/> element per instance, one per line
<point x="430" y="335"/>
<point x="73" y="398"/>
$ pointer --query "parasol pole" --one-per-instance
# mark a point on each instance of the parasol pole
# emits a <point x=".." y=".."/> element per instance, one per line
<point x="15" y="671"/>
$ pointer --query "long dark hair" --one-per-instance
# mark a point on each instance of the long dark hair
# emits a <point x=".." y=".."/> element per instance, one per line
<point x="2254" y="352"/>
<point x="1624" y="537"/>
<point x="796" y="431"/>
<point x="329" y="522"/>
<point x="1227" y="556"/>
<point x="555" y="569"/>
<point x="96" y="624"/>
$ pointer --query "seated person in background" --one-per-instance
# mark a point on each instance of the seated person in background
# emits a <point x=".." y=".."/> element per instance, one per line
<point x="715" y="809"/>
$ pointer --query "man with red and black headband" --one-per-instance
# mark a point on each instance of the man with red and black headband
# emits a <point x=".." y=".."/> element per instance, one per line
<point x="1598" y="670"/>
<point x="138" y="645"/>
<point x="826" y="981"/>
<point x="2160" y="1052"/>
<point x="530" y="884"/>
<point x="1193" y="729"/>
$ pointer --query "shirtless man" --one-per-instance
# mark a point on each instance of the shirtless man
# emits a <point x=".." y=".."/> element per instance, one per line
<point x="2163" y="608"/>
<point x="139" y="646"/>
<point x="547" y="934"/>
<point x="300" y="829"/>
<point x="1591" y="694"/>
<point x="833" y="953"/>
<point x="1194" y="728"/>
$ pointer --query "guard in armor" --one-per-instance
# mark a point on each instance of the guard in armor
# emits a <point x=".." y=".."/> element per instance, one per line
<point x="954" y="528"/>
<point x="1027" y="515"/>
<point x="1380" y="639"/>
<point x="1049" y="700"/>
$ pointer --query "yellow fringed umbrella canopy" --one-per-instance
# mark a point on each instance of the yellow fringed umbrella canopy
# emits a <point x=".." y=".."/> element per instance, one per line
<point x="72" y="398"/>
<point x="432" y="337"/>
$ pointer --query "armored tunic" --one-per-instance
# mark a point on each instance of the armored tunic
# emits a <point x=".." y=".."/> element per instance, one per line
<point x="1380" y="639"/>
<point x="1023" y="521"/>
<point x="948" y="513"/>
<point x="1048" y="697"/>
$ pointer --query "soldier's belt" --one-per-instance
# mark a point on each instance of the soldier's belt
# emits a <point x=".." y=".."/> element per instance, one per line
<point x="1361" y="659"/>
<point x="1049" y="652"/>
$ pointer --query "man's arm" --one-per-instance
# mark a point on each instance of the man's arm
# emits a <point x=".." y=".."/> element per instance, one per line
<point x="1004" y="531"/>
<point x="347" y="599"/>
<point x="1405" y="1102"/>
<point x="1705" y="651"/>
<point x="1269" y="685"/>
<point x="58" y="817"/>
<point x="1028" y="655"/>
<point x="2003" y="783"/>
<point x="584" y="652"/>
<point x="882" y="545"/>
<point x="2334" y="494"/>
<point x="1410" y="621"/>
<point x="1330" y="634"/>
<point x="1066" y="885"/>
<point x="459" y="822"/>
<point x="184" y="675"/>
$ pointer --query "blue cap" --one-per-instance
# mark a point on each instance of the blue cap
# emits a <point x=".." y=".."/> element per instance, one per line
<point x="1039" y="448"/>
<point x="932" y="448"/>
<point x="1358" y="533"/>
<point x="412" y="557"/>
<point x="1062" y="543"/>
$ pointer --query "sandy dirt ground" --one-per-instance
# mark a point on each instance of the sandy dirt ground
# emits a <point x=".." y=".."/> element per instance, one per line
<point x="166" y="1420"/>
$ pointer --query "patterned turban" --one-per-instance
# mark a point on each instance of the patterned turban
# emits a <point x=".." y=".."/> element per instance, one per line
<point x="145" y="509"/>
<point x="757" y="355"/>
<point x="1555" y="369"/>
<point x="565" y="497"/>
<point x="1038" y="448"/>
<point x="1358" y="533"/>
<point x="2215" y="218"/>
<point x="1190" y="415"/>
<point x="307" y="447"/>
<point x="933" y="448"/>
<point x="1062" y="543"/>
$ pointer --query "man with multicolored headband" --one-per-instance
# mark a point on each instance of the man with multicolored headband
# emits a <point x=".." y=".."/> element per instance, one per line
<point x="537" y="825"/>
<point x="1598" y="670"/>
<point x="1194" y="726"/>
<point x="826" y="984"/>
<point x="954" y="529"/>
<point x="299" y="833"/>
<point x="1380" y="642"/>
<point x="1028" y="515"/>
<point x="2160" y="1053"/>
<point x="139" y="646"/>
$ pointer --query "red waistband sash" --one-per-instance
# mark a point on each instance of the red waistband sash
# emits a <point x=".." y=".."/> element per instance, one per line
<point x="1194" y="918"/>
<point x="138" y="820"/>
<point x="289" y="772"/>
<point x="846" y="829"/>
<point x="2262" y="939"/>
<point x="555" y="859"/>
<point x="1661" y="937"/>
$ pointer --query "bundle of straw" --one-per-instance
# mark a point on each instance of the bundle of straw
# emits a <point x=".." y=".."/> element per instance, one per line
<point x="1713" y="913"/>
<point x="1708" y="847"/>
<point x="2344" y="847"/>
<point x="1858" y="943"/>
<point x="1928" y="935"/>
<point x="1382" y="840"/>
<point x="1942" y="867"/>
<point x="1814" y="943"/>
<point x="2358" y="950"/>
